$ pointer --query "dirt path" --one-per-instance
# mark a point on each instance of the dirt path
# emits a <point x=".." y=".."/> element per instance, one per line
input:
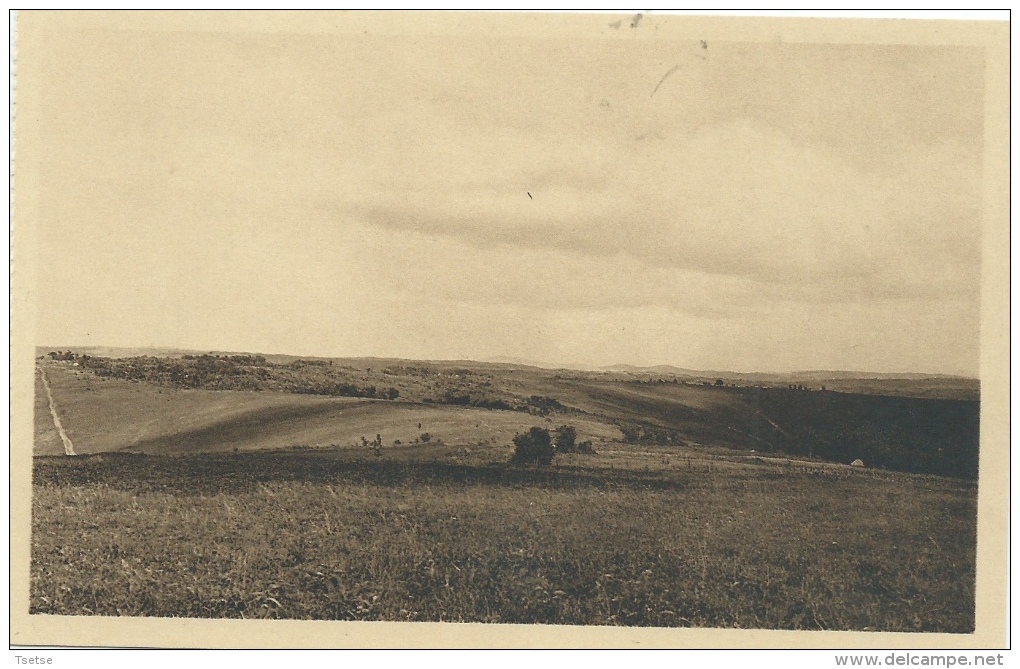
<point x="68" y="446"/>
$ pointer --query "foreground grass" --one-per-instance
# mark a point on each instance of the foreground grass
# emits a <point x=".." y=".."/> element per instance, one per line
<point x="348" y="536"/>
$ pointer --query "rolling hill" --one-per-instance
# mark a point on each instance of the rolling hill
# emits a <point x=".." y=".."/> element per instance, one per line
<point x="102" y="415"/>
<point x="208" y="403"/>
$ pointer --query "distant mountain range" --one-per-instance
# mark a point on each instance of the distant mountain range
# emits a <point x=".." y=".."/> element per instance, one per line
<point x="807" y="376"/>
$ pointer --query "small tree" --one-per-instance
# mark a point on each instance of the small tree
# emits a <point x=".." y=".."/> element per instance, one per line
<point x="631" y="433"/>
<point x="566" y="438"/>
<point x="534" y="446"/>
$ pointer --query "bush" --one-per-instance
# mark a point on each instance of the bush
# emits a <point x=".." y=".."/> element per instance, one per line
<point x="533" y="447"/>
<point x="647" y="434"/>
<point x="566" y="436"/>
<point x="585" y="447"/>
<point x="543" y="405"/>
<point x="631" y="433"/>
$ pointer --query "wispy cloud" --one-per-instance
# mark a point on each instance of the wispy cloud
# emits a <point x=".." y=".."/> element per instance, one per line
<point x="770" y="205"/>
<point x="734" y="201"/>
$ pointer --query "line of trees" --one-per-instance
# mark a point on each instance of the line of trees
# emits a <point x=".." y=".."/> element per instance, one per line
<point x="538" y="405"/>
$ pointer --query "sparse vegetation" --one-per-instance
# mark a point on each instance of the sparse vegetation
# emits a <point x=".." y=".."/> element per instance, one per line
<point x="234" y="372"/>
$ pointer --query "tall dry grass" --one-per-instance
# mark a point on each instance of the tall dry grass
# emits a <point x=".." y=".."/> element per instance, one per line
<point x="597" y="540"/>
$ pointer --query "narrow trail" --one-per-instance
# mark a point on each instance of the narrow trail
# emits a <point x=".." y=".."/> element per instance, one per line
<point x="779" y="429"/>
<point x="68" y="446"/>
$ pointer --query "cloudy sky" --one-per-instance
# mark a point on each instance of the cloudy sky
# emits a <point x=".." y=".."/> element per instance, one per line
<point x="715" y="205"/>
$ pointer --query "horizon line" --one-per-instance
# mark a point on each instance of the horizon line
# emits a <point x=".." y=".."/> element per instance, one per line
<point x="522" y="362"/>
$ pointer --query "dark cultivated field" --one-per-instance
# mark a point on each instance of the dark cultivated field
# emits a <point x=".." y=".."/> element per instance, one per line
<point x="245" y="487"/>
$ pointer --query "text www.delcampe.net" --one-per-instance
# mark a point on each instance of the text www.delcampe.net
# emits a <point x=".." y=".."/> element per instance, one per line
<point x="920" y="659"/>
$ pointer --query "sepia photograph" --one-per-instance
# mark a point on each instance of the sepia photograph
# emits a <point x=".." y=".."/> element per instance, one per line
<point x="508" y="329"/>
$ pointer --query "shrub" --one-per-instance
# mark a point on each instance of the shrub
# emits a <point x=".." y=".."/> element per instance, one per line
<point x="585" y="447"/>
<point x="543" y="405"/>
<point x="533" y="447"/>
<point x="647" y="434"/>
<point x="566" y="436"/>
<point x="631" y="433"/>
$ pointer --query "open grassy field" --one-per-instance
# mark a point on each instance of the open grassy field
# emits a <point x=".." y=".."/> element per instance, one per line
<point x="647" y="536"/>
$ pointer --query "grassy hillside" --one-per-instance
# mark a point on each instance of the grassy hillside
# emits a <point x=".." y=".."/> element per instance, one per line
<point x="935" y="386"/>
<point x="47" y="440"/>
<point x="632" y="536"/>
<point x="104" y="414"/>
<point x="221" y="403"/>
<point x="937" y="436"/>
